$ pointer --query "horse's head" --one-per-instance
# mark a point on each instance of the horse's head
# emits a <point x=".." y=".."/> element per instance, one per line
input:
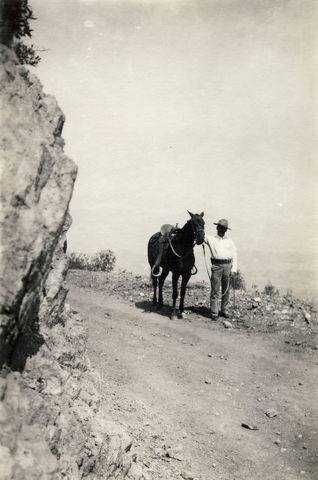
<point x="197" y="224"/>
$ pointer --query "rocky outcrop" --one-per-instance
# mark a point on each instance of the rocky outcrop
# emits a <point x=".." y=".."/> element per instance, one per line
<point x="51" y="414"/>
<point x="36" y="188"/>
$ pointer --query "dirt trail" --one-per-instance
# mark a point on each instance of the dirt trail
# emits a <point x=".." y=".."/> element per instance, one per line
<point x="183" y="388"/>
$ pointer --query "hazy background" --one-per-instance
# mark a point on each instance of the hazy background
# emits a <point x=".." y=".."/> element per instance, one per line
<point x="199" y="105"/>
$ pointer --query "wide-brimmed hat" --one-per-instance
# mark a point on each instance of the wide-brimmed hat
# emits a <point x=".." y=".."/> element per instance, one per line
<point x="223" y="223"/>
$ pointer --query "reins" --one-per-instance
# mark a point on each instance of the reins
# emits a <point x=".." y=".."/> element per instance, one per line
<point x="176" y="254"/>
<point x="194" y="243"/>
<point x="228" y="286"/>
<point x="180" y="256"/>
<point x="206" y="266"/>
<point x="195" y="232"/>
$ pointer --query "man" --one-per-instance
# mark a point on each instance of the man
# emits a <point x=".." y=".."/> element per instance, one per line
<point x="224" y="263"/>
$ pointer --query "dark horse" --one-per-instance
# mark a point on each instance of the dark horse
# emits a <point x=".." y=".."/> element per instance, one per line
<point x="176" y="256"/>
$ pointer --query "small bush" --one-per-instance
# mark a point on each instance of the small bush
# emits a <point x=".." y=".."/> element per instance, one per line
<point x="103" y="261"/>
<point x="270" y="290"/>
<point x="26" y="54"/>
<point x="78" y="261"/>
<point x="237" y="281"/>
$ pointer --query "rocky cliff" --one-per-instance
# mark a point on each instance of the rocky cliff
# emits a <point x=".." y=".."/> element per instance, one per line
<point x="51" y="417"/>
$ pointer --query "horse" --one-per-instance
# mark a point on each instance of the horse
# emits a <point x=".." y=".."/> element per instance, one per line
<point x="176" y="256"/>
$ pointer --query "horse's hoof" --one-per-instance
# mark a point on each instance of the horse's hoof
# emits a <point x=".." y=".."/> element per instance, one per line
<point x="180" y="315"/>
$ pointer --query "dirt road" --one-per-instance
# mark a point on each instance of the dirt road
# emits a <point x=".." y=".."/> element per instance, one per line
<point x="183" y="389"/>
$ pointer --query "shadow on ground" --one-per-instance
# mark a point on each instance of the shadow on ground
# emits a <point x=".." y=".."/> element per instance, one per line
<point x="166" y="310"/>
<point x="201" y="310"/>
<point x="147" y="306"/>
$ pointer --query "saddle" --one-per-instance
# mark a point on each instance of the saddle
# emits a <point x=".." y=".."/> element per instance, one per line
<point x="168" y="230"/>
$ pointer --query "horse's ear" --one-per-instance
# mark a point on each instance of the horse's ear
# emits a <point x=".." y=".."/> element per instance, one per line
<point x="202" y="214"/>
<point x="191" y="214"/>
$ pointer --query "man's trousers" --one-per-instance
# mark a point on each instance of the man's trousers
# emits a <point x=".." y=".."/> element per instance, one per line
<point x="220" y="279"/>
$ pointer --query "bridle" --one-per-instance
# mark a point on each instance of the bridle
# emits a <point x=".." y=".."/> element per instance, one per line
<point x="195" y="232"/>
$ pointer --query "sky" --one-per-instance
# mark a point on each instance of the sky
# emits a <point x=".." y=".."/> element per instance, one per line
<point x="205" y="105"/>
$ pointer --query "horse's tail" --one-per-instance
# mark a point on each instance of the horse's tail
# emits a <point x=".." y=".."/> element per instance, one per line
<point x="155" y="249"/>
<point x="156" y="269"/>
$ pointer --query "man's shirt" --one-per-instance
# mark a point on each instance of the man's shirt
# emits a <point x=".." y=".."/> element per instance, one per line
<point x="222" y="248"/>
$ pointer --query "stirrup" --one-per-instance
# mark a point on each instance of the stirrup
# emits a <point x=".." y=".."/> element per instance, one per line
<point x="156" y="274"/>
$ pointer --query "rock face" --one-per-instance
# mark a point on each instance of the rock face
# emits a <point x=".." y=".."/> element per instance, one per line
<point x="51" y="417"/>
<point x="36" y="188"/>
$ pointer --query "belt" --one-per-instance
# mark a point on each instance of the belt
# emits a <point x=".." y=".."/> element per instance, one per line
<point x="218" y="261"/>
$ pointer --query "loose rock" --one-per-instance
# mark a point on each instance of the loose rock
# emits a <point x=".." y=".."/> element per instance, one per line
<point x="227" y="324"/>
<point x="271" y="413"/>
<point x="249" y="427"/>
<point x="187" y="476"/>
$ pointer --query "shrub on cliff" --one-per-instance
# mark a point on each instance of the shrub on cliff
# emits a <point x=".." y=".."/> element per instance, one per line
<point x="14" y="24"/>
<point x="78" y="261"/>
<point x="103" y="261"/>
<point x="26" y="55"/>
<point x="270" y="290"/>
<point x="237" y="281"/>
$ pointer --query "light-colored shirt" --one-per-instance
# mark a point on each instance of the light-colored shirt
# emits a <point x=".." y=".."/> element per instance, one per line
<point x="222" y="248"/>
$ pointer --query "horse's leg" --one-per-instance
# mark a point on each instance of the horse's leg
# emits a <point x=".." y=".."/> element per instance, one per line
<point x="184" y="283"/>
<point x="154" y="284"/>
<point x="162" y="278"/>
<point x="175" y="278"/>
